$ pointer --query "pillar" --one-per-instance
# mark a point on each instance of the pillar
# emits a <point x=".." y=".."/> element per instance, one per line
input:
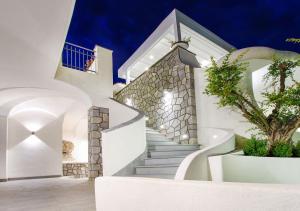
<point x="98" y="120"/>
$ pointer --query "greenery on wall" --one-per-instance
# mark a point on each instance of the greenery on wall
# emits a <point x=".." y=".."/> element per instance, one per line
<point x="276" y="118"/>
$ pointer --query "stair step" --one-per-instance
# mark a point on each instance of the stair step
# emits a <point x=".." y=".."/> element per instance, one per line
<point x="176" y="147"/>
<point x="164" y="176"/>
<point x="164" y="161"/>
<point x="157" y="138"/>
<point x="156" y="169"/>
<point x="169" y="153"/>
<point x="154" y="143"/>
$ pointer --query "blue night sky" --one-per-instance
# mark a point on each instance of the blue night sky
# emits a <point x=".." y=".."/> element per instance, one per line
<point x="124" y="25"/>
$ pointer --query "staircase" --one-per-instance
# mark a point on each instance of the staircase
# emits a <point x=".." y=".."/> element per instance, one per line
<point x="163" y="156"/>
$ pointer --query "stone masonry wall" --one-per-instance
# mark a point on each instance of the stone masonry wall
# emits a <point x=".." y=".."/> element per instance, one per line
<point x="166" y="94"/>
<point x="77" y="170"/>
<point x="98" y="121"/>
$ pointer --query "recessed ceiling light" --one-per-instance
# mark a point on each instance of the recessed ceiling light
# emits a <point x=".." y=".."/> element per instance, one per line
<point x="151" y="57"/>
<point x="204" y="63"/>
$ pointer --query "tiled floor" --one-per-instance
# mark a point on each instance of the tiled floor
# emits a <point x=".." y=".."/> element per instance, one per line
<point x="55" y="194"/>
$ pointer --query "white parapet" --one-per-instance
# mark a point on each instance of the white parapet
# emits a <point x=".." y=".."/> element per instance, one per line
<point x="124" y="142"/>
<point x="239" y="168"/>
<point x="141" y="194"/>
<point x="195" y="166"/>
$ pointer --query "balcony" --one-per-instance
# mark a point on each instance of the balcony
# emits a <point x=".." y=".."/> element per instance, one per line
<point x="79" y="58"/>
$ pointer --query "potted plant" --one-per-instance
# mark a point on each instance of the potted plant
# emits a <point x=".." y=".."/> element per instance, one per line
<point x="182" y="43"/>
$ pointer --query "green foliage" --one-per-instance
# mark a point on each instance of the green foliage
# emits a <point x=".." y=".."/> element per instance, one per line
<point x="294" y="40"/>
<point x="281" y="149"/>
<point x="278" y="116"/>
<point x="254" y="147"/>
<point x="296" y="150"/>
<point x="223" y="80"/>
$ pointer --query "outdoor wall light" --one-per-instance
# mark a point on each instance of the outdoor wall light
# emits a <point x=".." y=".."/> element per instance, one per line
<point x="146" y="118"/>
<point x="128" y="102"/>
<point x="185" y="136"/>
<point x="215" y="136"/>
<point x="162" y="127"/>
<point x="168" y="97"/>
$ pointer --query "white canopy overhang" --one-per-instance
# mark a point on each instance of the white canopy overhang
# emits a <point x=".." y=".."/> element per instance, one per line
<point x="175" y="27"/>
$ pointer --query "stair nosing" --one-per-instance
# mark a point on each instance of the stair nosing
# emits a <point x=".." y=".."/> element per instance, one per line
<point x="158" y="166"/>
<point x="178" y="145"/>
<point x="166" y="157"/>
<point x="174" y="150"/>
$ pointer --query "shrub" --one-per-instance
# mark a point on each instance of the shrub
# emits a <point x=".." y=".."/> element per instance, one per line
<point x="281" y="149"/>
<point x="296" y="150"/>
<point x="254" y="147"/>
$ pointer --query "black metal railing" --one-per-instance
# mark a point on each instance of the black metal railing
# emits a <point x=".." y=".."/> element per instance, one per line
<point x="79" y="58"/>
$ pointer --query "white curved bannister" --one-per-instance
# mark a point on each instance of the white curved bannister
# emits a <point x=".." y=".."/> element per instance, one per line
<point x="195" y="166"/>
<point x="123" y="143"/>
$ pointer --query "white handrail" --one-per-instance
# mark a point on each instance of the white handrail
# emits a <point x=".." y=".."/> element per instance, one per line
<point x="195" y="166"/>
<point x="123" y="143"/>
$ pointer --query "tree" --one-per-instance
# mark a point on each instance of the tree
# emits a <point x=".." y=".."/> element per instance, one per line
<point x="294" y="40"/>
<point x="278" y="116"/>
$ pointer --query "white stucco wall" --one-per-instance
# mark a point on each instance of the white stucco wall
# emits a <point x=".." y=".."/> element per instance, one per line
<point x="122" y="146"/>
<point x="239" y="168"/>
<point x="144" y="194"/>
<point x="3" y="145"/>
<point x="97" y="86"/>
<point x="210" y="115"/>
<point x="195" y="166"/>
<point x="34" y="155"/>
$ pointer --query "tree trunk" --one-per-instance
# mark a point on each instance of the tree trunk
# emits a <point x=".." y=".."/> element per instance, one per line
<point x="278" y="135"/>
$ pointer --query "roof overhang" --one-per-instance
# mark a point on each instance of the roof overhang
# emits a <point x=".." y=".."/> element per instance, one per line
<point x="175" y="27"/>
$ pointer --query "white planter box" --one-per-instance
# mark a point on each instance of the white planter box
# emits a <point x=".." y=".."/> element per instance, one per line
<point x="240" y="168"/>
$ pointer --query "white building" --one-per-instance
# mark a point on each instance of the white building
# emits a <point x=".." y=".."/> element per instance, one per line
<point x="47" y="96"/>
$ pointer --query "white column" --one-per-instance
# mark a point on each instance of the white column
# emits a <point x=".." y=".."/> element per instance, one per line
<point x="3" y="147"/>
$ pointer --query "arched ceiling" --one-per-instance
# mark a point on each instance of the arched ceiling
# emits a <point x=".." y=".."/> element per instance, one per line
<point x="31" y="45"/>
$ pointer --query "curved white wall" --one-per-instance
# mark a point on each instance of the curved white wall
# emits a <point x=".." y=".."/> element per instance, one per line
<point x="125" y="140"/>
<point x="119" y="113"/>
<point x="195" y="166"/>
<point x="122" y="146"/>
<point x="209" y="115"/>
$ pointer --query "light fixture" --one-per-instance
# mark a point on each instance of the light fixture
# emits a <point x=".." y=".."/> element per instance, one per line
<point x="205" y="63"/>
<point x="151" y="57"/>
<point x="128" y="102"/>
<point x="215" y="136"/>
<point x="32" y="133"/>
<point x="146" y="118"/>
<point x="185" y="136"/>
<point x="168" y="97"/>
<point x="162" y="127"/>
